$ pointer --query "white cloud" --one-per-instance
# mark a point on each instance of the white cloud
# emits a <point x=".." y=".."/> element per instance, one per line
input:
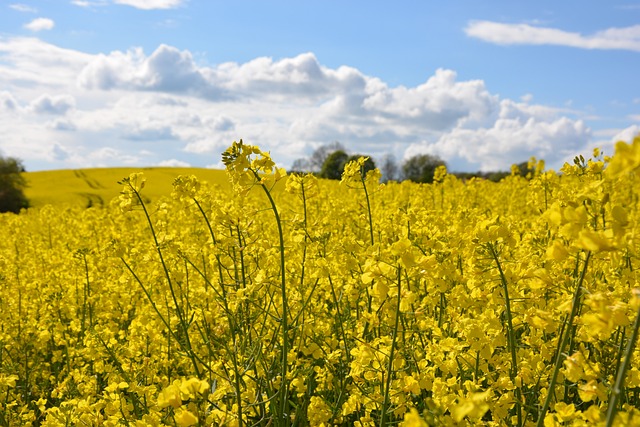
<point x="62" y="124"/>
<point x="526" y="98"/>
<point x="166" y="70"/>
<point x="138" y="4"/>
<point x="110" y="108"/>
<point x="173" y="163"/>
<point x="605" y="140"/>
<point x="626" y="134"/>
<point x="141" y="132"/>
<point x="23" y="8"/>
<point x="55" y="105"/>
<point x="22" y="60"/>
<point x="151" y="4"/>
<point x="509" y="141"/>
<point x="40" y="24"/>
<point x="84" y="3"/>
<point x="8" y="102"/>
<point x="626" y="38"/>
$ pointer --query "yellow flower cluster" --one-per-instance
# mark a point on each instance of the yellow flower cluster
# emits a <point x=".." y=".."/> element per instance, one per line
<point x="312" y="303"/>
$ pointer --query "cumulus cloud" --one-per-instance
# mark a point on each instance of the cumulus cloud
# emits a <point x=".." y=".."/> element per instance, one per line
<point x="105" y="156"/>
<point x="626" y="134"/>
<point x="300" y="79"/>
<point x="166" y="70"/>
<point x="56" y="105"/>
<point x="509" y="140"/>
<point x="625" y="38"/>
<point x="438" y="104"/>
<point x="23" y="59"/>
<point x="40" y="24"/>
<point x="8" y="102"/>
<point x="221" y="123"/>
<point x="65" y="125"/>
<point x="149" y="133"/>
<point x="59" y="152"/>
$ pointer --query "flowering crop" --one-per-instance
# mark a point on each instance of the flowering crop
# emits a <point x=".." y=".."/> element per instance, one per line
<point x="296" y="301"/>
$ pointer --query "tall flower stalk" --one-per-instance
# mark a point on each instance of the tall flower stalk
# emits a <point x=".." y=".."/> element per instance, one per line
<point x="131" y="196"/>
<point x="355" y="175"/>
<point x="247" y="166"/>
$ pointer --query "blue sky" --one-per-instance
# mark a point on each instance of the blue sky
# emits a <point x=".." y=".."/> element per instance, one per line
<point x="174" y="82"/>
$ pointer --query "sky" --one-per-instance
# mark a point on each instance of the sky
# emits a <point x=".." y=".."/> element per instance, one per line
<point x="481" y="84"/>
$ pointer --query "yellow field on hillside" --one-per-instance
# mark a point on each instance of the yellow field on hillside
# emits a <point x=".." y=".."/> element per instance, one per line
<point x="98" y="186"/>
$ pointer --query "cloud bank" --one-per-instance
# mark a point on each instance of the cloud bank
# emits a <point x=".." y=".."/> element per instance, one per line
<point x="129" y="107"/>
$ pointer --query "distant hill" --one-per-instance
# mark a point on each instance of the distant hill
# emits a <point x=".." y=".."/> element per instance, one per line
<point x="98" y="186"/>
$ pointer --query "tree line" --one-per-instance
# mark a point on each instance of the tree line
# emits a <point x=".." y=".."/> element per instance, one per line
<point x="328" y="161"/>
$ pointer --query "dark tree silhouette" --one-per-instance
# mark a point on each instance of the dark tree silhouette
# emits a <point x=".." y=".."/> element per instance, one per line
<point x="320" y="155"/>
<point x="421" y="168"/>
<point x="12" y="184"/>
<point x="334" y="165"/>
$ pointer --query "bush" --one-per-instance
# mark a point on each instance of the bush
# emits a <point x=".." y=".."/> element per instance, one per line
<point x="421" y="168"/>
<point x="12" y="184"/>
<point x="334" y="165"/>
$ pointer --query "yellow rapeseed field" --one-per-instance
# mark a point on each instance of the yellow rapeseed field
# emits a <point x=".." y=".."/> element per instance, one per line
<point x="352" y="304"/>
<point x="98" y="186"/>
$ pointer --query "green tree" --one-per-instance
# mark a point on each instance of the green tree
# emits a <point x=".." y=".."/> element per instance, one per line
<point x="315" y="162"/>
<point x="320" y="155"/>
<point x="12" y="184"/>
<point x="369" y="165"/>
<point x="334" y="165"/>
<point x="421" y="168"/>
<point x="526" y="168"/>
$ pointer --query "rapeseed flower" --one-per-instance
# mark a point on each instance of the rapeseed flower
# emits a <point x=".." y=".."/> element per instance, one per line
<point x="405" y="304"/>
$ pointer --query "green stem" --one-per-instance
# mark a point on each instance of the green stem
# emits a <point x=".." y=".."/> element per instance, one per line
<point x="206" y="220"/>
<point x="510" y="332"/>
<point x="563" y="343"/>
<point x="181" y="318"/>
<point x="191" y="354"/>
<point x="232" y="326"/>
<point x="366" y="194"/>
<point x="387" y="387"/>
<point x="617" y="388"/>
<point x="283" y="392"/>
